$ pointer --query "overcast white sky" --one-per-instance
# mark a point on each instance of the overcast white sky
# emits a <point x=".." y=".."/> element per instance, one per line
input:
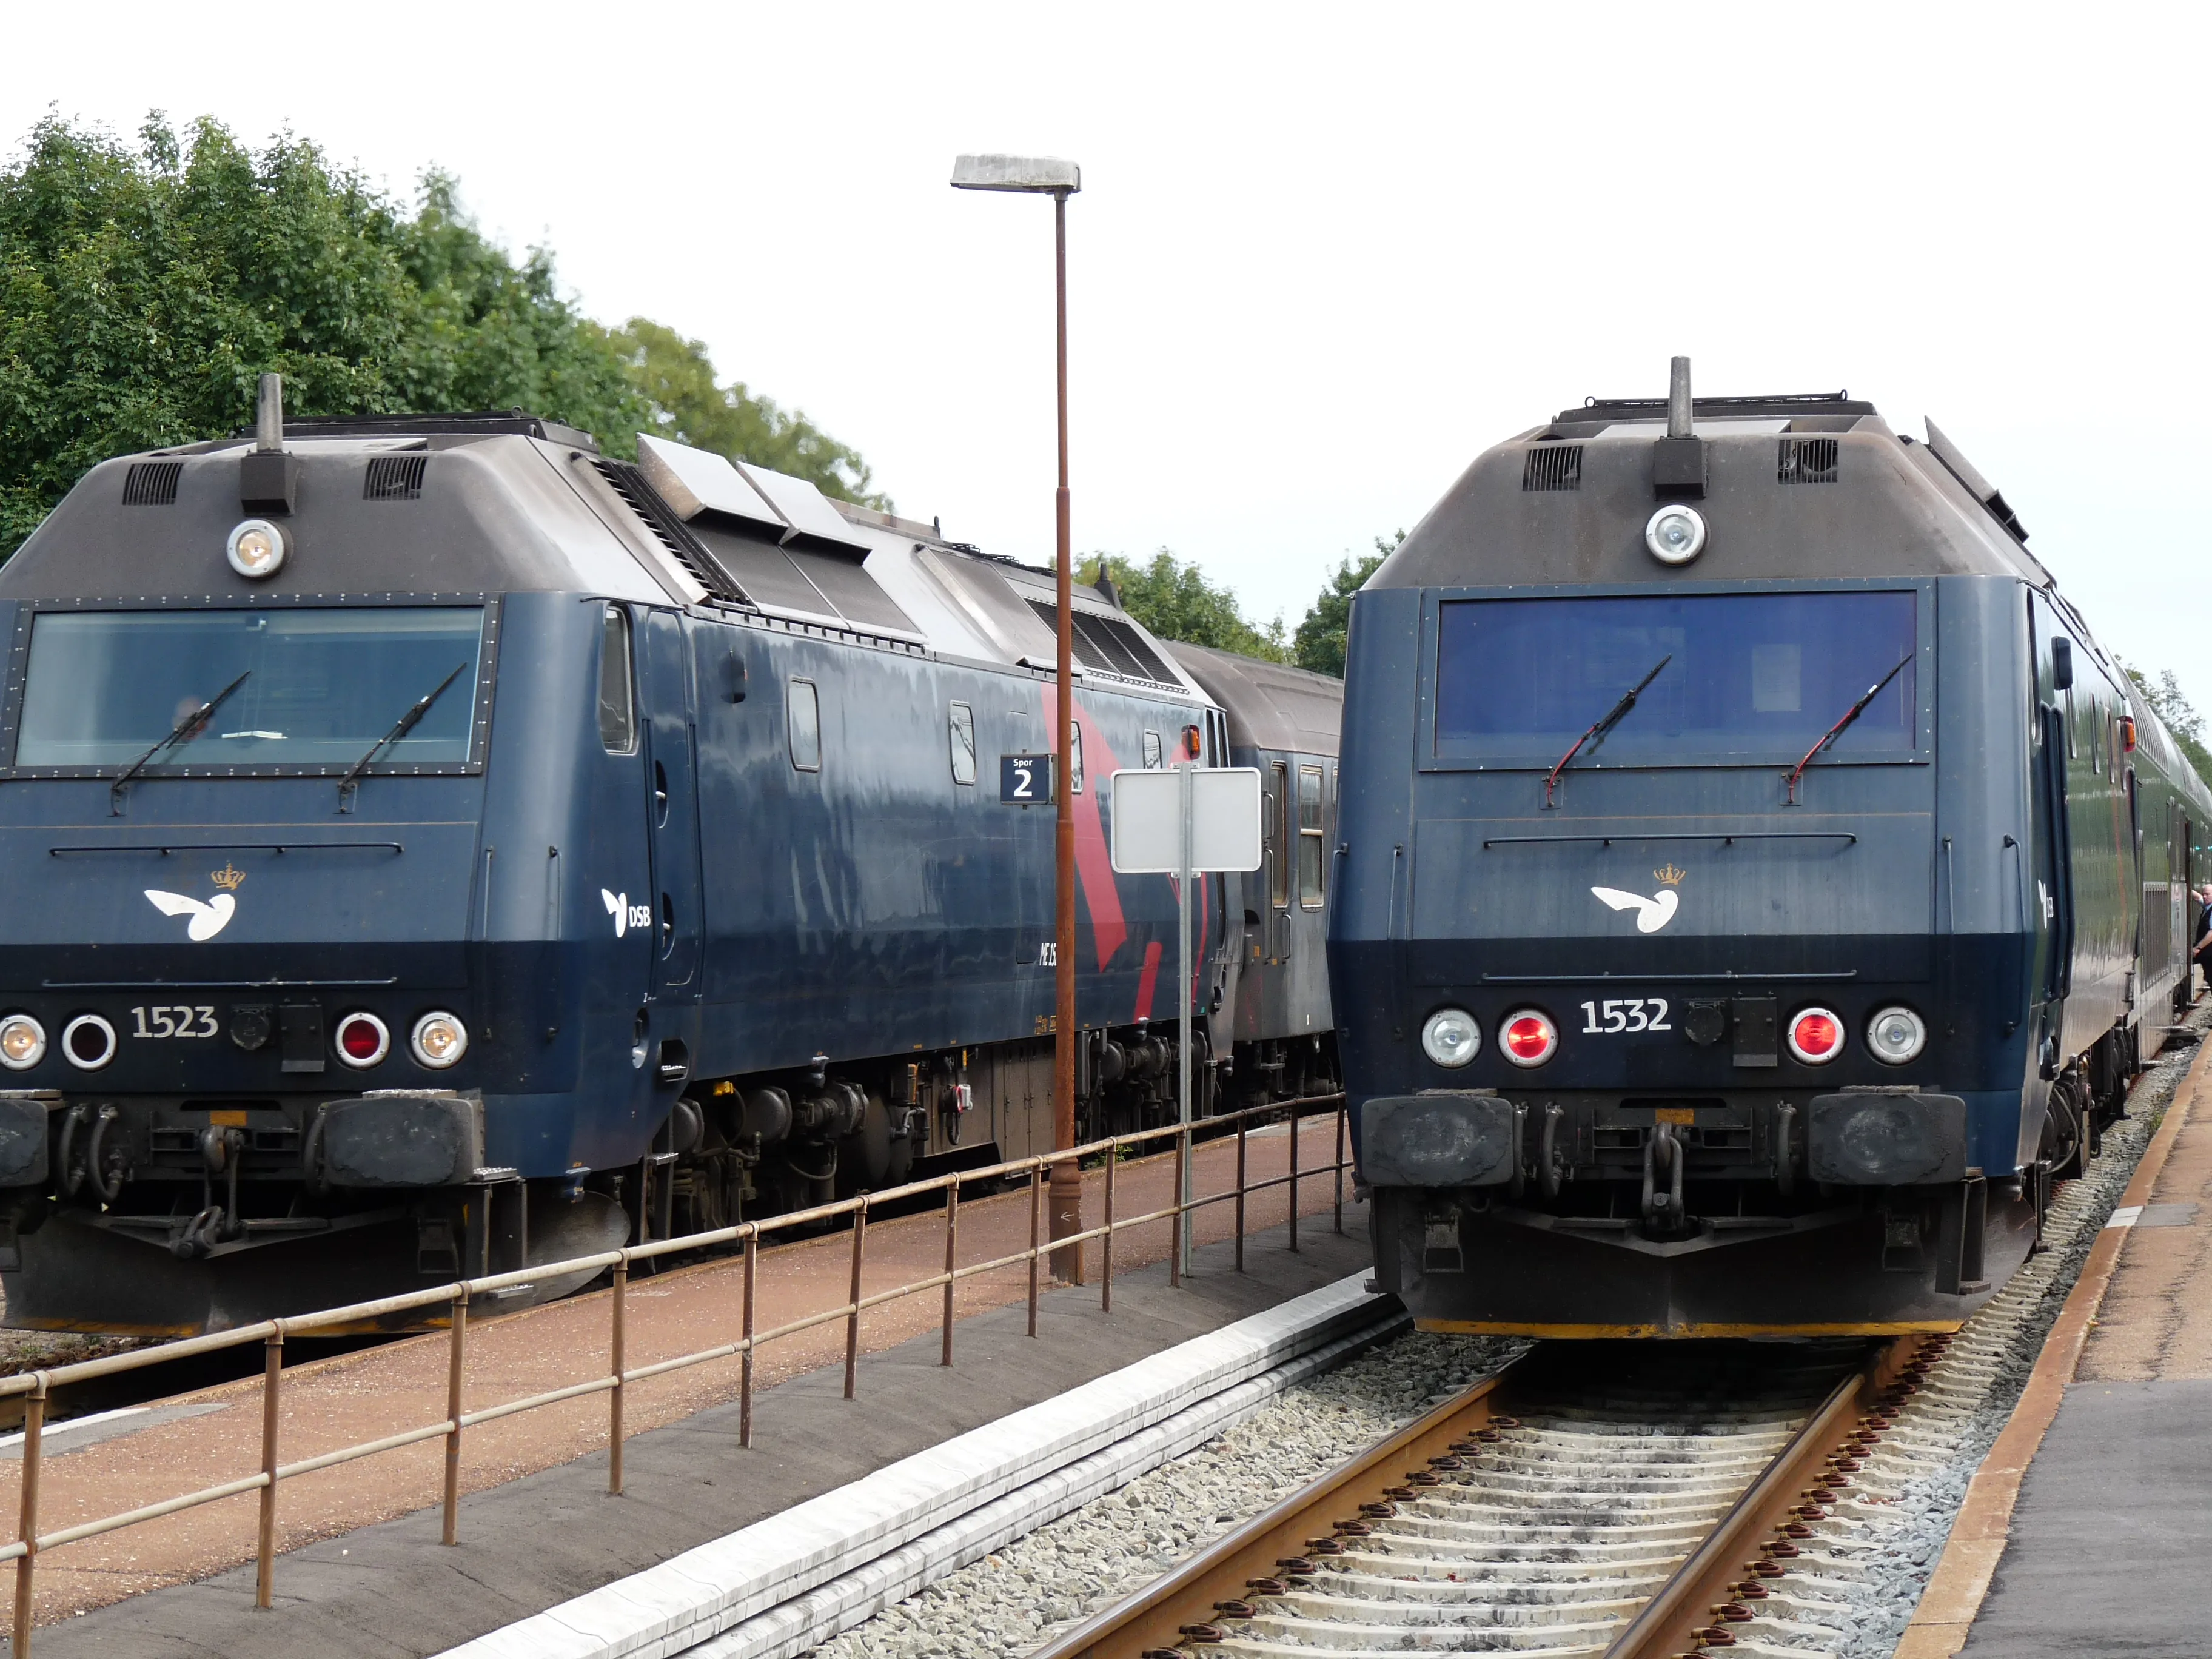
<point x="1323" y="255"/>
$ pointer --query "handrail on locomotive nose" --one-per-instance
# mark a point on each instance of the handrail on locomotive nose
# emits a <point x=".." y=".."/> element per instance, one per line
<point x="1612" y="718"/>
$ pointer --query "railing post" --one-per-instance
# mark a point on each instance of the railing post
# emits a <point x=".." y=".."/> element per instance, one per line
<point x="1340" y="1110"/>
<point x="1175" y="1227"/>
<point x="951" y="1259"/>
<point x="272" y="1372"/>
<point x="745" y="1366"/>
<point x="1243" y="1124"/>
<point x="34" y="1422"/>
<point x="615" y="1393"/>
<point x="1294" y="1178"/>
<point x="1036" y="1216"/>
<point x="456" y="1357"/>
<point x="1106" y="1243"/>
<point x="853" y="1318"/>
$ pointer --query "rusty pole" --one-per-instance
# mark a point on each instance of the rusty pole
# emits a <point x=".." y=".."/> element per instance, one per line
<point x="457" y="1355"/>
<point x="615" y="1393"/>
<point x="34" y="1422"/>
<point x="1066" y="1177"/>
<point x="272" y="1374"/>
<point x="745" y="1386"/>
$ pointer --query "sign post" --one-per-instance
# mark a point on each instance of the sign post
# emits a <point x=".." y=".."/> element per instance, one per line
<point x="1193" y="821"/>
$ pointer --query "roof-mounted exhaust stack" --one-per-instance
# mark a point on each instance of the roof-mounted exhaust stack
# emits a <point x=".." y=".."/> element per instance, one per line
<point x="1678" y="460"/>
<point x="268" y="474"/>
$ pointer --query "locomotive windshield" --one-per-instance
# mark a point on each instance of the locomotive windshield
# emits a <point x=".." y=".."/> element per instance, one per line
<point x="1748" y="676"/>
<point x="312" y="687"/>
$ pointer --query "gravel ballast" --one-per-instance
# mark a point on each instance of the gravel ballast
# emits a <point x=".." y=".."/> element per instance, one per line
<point x="1011" y="1601"/>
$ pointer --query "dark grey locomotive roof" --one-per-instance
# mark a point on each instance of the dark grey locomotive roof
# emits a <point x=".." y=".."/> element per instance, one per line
<point x="504" y="502"/>
<point x="1797" y="487"/>
<point x="1269" y="704"/>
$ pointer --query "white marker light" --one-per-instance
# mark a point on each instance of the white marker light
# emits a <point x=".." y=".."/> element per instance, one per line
<point x="22" y="1042"/>
<point x="257" y="549"/>
<point x="1675" y="534"/>
<point x="1450" y="1038"/>
<point x="1896" y="1035"/>
<point x="438" y="1040"/>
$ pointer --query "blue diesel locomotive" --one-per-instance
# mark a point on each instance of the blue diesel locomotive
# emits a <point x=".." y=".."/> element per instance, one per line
<point x="1758" y="885"/>
<point x="434" y="848"/>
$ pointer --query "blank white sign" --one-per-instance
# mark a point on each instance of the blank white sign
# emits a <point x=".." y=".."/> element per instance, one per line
<point x="1148" y="820"/>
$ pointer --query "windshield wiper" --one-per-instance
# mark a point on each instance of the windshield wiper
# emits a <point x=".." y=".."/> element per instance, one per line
<point x="351" y="782"/>
<point x="1612" y="718"/>
<point x="185" y="731"/>
<point x="1836" y="730"/>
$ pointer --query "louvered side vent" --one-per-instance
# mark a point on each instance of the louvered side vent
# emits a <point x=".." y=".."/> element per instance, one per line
<point x="1109" y="645"/>
<point x="152" y="483"/>
<point x="683" y="546"/>
<point x="394" y="479"/>
<point x="1808" y="461"/>
<point x="1555" y="466"/>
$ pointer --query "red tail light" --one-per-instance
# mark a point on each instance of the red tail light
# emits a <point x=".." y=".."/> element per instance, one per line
<point x="1816" y="1037"/>
<point x="362" y="1040"/>
<point x="1527" y="1038"/>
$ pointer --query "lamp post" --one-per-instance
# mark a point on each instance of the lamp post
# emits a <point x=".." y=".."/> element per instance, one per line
<point x="1037" y="176"/>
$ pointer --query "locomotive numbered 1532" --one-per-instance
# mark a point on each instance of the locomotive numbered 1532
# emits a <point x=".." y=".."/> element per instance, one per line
<point x="1782" y="890"/>
<point x="435" y="848"/>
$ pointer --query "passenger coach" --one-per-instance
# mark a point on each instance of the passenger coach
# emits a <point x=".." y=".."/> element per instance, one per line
<point x="1758" y="884"/>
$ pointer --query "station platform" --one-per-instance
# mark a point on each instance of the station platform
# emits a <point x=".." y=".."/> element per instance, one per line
<point x="390" y="1590"/>
<point x="2107" y="1546"/>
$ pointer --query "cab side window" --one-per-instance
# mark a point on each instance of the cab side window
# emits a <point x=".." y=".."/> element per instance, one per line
<point x="803" y="722"/>
<point x="960" y="734"/>
<point x="1152" y="751"/>
<point x="617" y="704"/>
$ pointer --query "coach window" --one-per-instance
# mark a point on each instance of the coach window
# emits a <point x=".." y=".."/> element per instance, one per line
<point x="1279" y="825"/>
<point x="803" y="717"/>
<point x="1309" y="836"/>
<point x="1152" y="751"/>
<point x="618" y="712"/>
<point x="962" y="739"/>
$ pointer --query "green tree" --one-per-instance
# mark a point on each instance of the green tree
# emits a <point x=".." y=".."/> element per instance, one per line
<point x="2179" y="716"/>
<point x="1319" y="643"/>
<point x="144" y="287"/>
<point x="690" y="407"/>
<point x="1174" y="601"/>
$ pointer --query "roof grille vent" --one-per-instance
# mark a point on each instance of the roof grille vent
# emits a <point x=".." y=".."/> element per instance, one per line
<point x="1108" y="645"/>
<point x="658" y="517"/>
<point x="394" y="479"/>
<point x="1808" y="461"/>
<point x="1554" y="466"/>
<point x="152" y="483"/>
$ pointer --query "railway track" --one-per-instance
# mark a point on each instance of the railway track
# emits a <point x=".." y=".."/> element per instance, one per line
<point x="1627" y="1501"/>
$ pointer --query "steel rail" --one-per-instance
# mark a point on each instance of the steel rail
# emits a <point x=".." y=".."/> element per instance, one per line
<point x="1184" y="1609"/>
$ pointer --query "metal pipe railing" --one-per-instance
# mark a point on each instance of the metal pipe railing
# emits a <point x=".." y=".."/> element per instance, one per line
<point x="35" y="1388"/>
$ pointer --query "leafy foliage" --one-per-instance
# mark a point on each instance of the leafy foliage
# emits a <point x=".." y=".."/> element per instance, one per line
<point x="1319" y="643"/>
<point x="2177" y="715"/>
<point x="144" y="287"/>
<point x="690" y="407"/>
<point x="1174" y="601"/>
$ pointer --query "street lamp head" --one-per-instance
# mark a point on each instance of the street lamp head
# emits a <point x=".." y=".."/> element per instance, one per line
<point x="1032" y="174"/>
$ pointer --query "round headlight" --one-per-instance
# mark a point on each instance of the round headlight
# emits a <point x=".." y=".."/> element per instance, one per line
<point x="1675" y="534"/>
<point x="257" y="549"/>
<point x="438" y="1040"/>
<point x="1816" y="1035"/>
<point x="89" y="1042"/>
<point x="22" y="1042"/>
<point x="1450" y="1038"/>
<point x="362" y="1040"/>
<point x="1897" y="1035"/>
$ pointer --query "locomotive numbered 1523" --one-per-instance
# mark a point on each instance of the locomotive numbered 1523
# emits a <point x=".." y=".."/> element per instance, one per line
<point x="1782" y="890"/>
<point x="433" y="848"/>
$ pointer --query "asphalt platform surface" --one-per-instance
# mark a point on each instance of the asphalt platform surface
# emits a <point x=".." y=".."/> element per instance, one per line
<point x="392" y="1590"/>
<point x="2111" y="1548"/>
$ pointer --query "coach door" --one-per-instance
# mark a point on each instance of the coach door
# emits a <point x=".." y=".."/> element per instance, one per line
<point x="671" y="801"/>
<point x="1276" y="850"/>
